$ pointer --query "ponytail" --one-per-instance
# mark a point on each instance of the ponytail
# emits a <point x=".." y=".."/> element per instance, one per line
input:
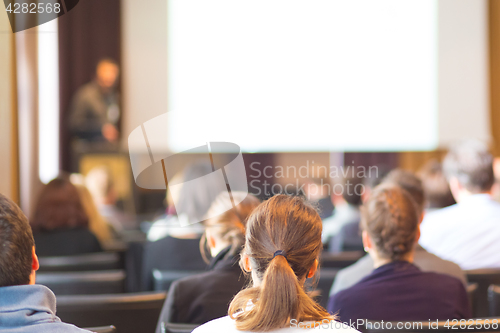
<point x="280" y="296"/>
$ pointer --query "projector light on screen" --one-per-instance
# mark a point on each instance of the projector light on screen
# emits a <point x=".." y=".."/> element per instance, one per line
<point x="288" y="75"/>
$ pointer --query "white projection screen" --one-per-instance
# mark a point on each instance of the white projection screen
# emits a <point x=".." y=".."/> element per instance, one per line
<point x="322" y="75"/>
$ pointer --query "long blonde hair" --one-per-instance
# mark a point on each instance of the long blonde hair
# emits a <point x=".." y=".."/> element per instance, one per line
<point x="97" y="224"/>
<point x="290" y="225"/>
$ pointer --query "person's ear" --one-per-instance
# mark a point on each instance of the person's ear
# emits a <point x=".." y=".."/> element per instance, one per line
<point x="367" y="242"/>
<point x="421" y="217"/>
<point x="455" y="188"/>
<point x="417" y="236"/>
<point x="35" y="265"/>
<point x="313" y="269"/>
<point x="210" y="241"/>
<point x="365" y="195"/>
<point x="246" y="262"/>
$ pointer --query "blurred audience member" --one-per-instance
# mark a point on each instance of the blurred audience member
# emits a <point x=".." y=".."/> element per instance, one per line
<point x="317" y="190"/>
<point x="178" y="235"/>
<point x="424" y="260"/>
<point x="436" y="189"/>
<point x="97" y="224"/>
<point x="95" y="109"/>
<point x="346" y="208"/>
<point x="25" y="307"/>
<point x="468" y="232"/>
<point x="60" y="223"/>
<point x="348" y="238"/>
<point x="203" y="297"/>
<point x="99" y="181"/>
<point x="397" y="290"/>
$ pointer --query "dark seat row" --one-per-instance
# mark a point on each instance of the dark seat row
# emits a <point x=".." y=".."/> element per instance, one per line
<point x="85" y="262"/>
<point x="84" y="283"/>
<point x="129" y="313"/>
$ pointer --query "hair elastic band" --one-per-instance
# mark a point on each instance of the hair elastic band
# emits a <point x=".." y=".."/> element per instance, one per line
<point x="280" y="253"/>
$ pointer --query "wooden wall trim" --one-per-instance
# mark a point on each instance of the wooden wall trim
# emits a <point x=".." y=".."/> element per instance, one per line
<point x="14" y="156"/>
<point x="494" y="55"/>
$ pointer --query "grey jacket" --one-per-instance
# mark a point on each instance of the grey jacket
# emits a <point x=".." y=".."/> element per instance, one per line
<point x="424" y="260"/>
<point x="90" y="110"/>
<point x="31" y="309"/>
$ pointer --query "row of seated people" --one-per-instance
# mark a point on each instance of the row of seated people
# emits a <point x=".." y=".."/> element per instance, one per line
<point x="391" y="229"/>
<point x="282" y="245"/>
<point x="341" y="229"/>
<point x="77" y="215"/>
<point x="391" y="238"/>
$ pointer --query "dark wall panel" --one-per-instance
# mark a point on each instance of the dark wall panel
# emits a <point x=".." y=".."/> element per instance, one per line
<point x="88" y="33"/>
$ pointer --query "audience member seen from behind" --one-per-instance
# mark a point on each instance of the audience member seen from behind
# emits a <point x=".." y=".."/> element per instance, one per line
<point x="60" y="224"/>
<point x="317" y="190"/>
<point x="424" y="260"/>
<point x="397" y="290"/>
<point x="203" y="297"/>
<point x="346" y="213"/>
<point x="282" y="247"/>
<point x="348" y="238"/>
<point x="468" y="232"/>
<point x="436" y="189"/>
<point x="178" y="234"/>
<point x="25" y="307"/>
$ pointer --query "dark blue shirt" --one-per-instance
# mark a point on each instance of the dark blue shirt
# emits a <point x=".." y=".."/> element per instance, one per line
<point x="400" y="291"/>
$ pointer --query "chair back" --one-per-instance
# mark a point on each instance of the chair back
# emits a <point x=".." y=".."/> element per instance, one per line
<point x="163" y="279"/>
<point x="339" y="260"/>
<point x="494" y="300"/>
<point x="484" y="278"/>
<point x="177" y="328"/>
<point x="471" y="295"/>
<point x="84" y="262"/>
<point x="129" y="313"/>
<point x="102" y="329"/>
<point x="83" y="283"/>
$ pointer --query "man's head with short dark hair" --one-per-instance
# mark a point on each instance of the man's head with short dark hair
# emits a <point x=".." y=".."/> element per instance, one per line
<point x="353" y="190"/>
<point x="409" y="182"/>
<point x="471" y="164"/>
<point x="16" y="245"/>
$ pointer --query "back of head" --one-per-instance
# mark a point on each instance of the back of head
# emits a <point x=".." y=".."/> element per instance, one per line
<point x="194" y="201"/>
<point x="229" y="227"/>
<point x="16" y="242"/>
<point x="436" y="188"/>
<point x="353" y="190"/>
<point x="472" y="165"/>
<point x="291" y="226"/>
<point x="58" y="207"/>
<point x="409" y="182"/>
<point x="391" y="218"/>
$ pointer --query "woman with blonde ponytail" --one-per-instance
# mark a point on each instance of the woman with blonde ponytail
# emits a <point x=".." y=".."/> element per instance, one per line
<point x="282" y="247"/>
